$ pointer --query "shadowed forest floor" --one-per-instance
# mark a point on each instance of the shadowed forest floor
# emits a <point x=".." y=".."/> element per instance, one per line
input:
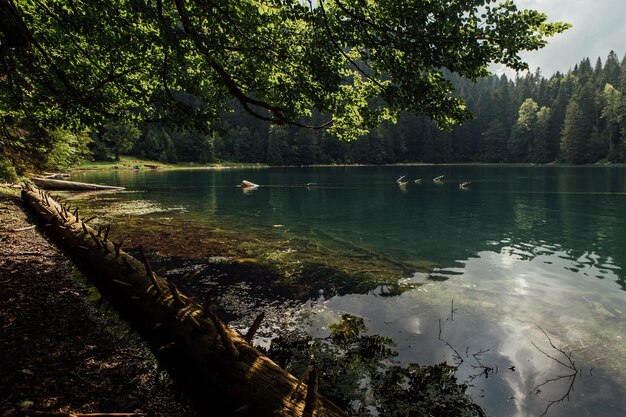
<point x="59" y="351"/>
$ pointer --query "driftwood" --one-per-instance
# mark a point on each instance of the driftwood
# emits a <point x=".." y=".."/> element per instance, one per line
<point x="248" y="184"/>
<point x="61" y="414"/>
<point x="21" y="229"/>
<point x="57" y="176"/>
<point x="222" y="364"/>
<point x="56" y="184"/>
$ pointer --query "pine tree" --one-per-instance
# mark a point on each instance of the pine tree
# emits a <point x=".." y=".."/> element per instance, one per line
<point x="493" y="142"/>
<point x="575" y="135"/>
<point x="611" y="71"/>
<point x="613" y="113"/>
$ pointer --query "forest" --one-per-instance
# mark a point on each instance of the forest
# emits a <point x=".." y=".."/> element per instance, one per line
<point x="576" y="117"/>
<point x="172" y="80"/>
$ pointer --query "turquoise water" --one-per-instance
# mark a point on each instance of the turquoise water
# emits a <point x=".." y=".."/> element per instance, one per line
<point x="522" y="249"/>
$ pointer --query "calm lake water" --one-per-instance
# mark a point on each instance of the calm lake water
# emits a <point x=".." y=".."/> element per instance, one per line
<point x="522" y="249"/>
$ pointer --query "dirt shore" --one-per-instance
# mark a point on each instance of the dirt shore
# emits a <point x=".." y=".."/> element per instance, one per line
<point x="59" y="351"/>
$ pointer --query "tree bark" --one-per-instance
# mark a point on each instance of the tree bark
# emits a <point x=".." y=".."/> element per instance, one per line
<point x="53" y="184"/>
<point x="219" y="361"/>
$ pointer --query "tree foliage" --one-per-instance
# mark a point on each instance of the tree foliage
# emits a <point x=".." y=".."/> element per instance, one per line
<point x="576" y="131"/>
<point x="516" y="120"/>
<point x="80" y="63"/>
<point x="120" y="137"/>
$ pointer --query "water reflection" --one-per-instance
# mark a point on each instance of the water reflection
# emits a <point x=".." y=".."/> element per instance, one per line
<point x="502" y="319"/>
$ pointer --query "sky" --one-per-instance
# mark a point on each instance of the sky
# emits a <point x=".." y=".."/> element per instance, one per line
<point x="599" y="26"/>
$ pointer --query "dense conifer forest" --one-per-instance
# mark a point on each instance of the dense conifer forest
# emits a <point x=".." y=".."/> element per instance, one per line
<point x="574" y="117"/>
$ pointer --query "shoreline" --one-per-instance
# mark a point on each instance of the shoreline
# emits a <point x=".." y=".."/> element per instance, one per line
<point x="60" y="351"/>
<point x="124" y="165"/>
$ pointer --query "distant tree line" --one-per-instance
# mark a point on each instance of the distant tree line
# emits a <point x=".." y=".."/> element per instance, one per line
<point x="575" y="117"/>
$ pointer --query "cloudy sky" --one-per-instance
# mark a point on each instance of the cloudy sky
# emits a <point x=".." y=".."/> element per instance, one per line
<point x="599" y="27"/>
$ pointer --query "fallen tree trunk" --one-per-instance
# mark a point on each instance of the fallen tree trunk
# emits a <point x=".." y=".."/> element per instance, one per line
<point x="57" y="184"/>
<point x="221" y="362"/>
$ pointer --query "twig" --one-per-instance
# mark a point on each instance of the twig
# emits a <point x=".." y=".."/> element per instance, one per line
<point x="568" y="356"/>
<point x="456" y="355"/>
<point x="61" y="414"/>
<point x="570" y="365"/>
<point x="21" y="229"/>
<point x="452" y="310"/>
<point x="484" y="369"/>
<point x="255" y="326"/>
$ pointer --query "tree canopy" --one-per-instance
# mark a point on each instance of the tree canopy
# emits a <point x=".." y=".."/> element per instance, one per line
<point x="84" y="62"/>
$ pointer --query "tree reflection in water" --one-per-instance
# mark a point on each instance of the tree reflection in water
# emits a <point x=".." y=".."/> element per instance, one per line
<point x="358" y="372"/>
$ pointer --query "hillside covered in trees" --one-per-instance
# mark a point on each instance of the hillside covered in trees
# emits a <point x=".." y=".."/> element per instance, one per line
<point x="575" y="117"/>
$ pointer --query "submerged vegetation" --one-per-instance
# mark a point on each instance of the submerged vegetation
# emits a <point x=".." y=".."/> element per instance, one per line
<point x="358" y="372"/>
<point x="288" y="265"/>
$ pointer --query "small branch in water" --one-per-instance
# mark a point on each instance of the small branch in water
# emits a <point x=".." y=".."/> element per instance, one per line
<point x="567" y="355"/>
<point x="484" y="369"/>
<point x="255" y="326"/>
<point x="456" y="356"/>
<point x="189" y="275"/>
<point x="569" y="365"/>
<point x="452" y="310"/>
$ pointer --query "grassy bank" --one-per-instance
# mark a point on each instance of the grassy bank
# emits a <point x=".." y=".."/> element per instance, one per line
<point x="8" y="190"/>
<point x="131" y="162"/>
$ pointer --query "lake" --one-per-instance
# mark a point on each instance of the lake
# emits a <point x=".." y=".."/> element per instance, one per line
<point x="526" y="264"/>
